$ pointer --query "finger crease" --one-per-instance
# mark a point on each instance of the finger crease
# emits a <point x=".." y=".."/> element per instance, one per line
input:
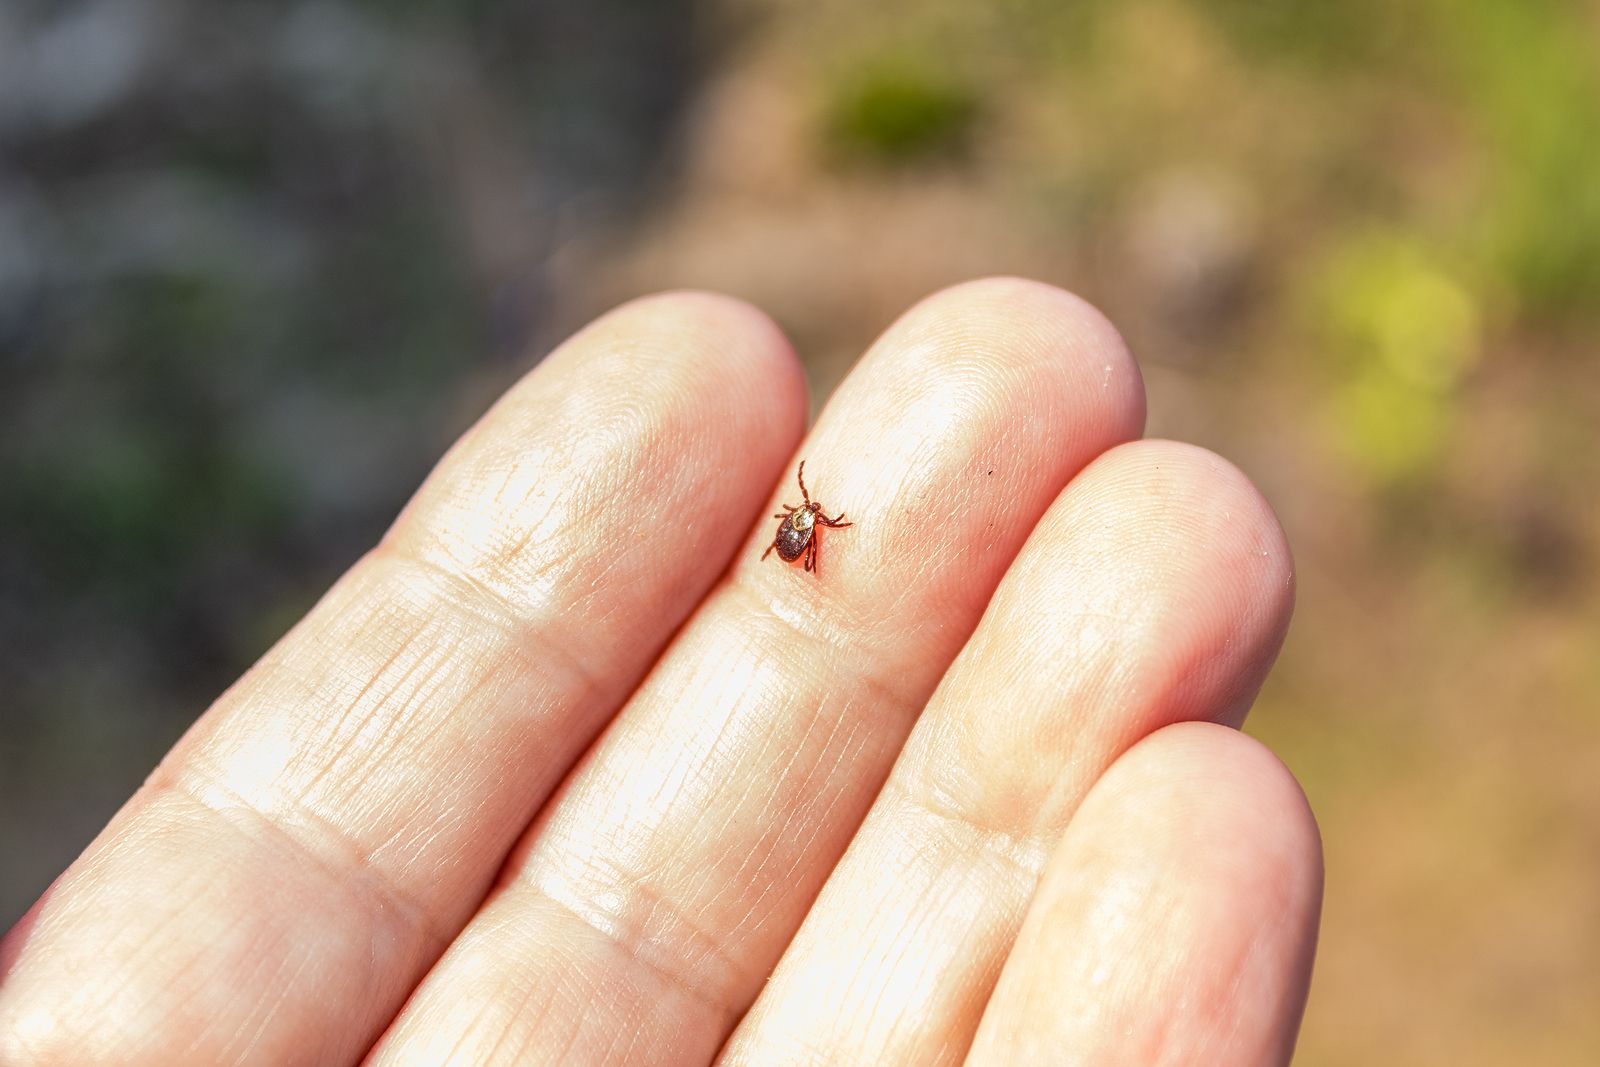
<point x="1024" y="853"/>
<point x="612" y="923"/>
<point x="324" y="844"/>
<point x="833" y="644"/>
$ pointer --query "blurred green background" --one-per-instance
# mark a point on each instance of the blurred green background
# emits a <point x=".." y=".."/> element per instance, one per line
<point x="259" y="263"/>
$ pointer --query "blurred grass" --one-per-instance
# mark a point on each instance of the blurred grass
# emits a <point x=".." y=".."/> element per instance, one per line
<point x="897" y="110"/>
<point x="1356" y="245"/>
<point x="1403" y="334"/>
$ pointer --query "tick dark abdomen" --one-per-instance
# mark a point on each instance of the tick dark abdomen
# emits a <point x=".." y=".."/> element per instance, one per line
<point x="797" y="527"/>
<point x="791" y="542"/>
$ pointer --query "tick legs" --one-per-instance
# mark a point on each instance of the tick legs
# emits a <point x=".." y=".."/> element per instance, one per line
<point x="837" y="521"/>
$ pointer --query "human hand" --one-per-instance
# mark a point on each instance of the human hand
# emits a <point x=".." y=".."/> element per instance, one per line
<point x="561" y="772"/>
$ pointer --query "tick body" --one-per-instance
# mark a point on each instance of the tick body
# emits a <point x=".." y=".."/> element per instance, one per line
<point x="797" y="533"/>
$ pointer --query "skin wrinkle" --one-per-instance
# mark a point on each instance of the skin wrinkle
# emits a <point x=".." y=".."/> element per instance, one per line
<point x="297" y="690"/>
<point x="524" y="1039"/>
<point x="349" y="714"/>
<point x="702" y="992"/>
<point x="521" y="625"/>
<point x="388" y="713"/>
<point x="364" y="735"/>
<point x="834" y="627"/>
<point x="784" y="828"/>
<point x="239" y="1048"/>
<point x="746" y="866"/>
<point x="637" y="432"/>
<point x="489" y="689"/>
<point x="734" y="885"/>
<point x="459" y="1050"/>
<point x="682" y="778"/>
<point x="844" y="733"/>
<point x="957" y="894"/>
<point x="628" y="404"/>
<point x="526" y="998"/>
<point x="415" y="625"/>
<point x="504" y="566"/>
<point x="747" y="674"/>
<point x="906" y="928"/>
<point x="116" y="992"/>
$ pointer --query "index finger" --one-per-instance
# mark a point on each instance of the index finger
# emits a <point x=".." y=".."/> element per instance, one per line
<point x="275" y="890"/>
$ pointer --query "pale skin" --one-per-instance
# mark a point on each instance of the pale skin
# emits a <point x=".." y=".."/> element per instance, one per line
<point x="559" y="773"/>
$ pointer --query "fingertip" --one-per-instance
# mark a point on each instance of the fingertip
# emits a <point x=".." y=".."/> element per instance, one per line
<point x="1212" y="545"/>
<point x="1219" y="808"/>
<point x="714" y="317"/>
<point x="1205" y="493"/>
<point x="732" y="339"/>
<point x="1180" y="909"/>
<point x="1211" y="790"/>
<point x="1006" y="315"/>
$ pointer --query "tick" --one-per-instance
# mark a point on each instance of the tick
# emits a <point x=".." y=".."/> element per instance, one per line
<point x="797" y="533"/>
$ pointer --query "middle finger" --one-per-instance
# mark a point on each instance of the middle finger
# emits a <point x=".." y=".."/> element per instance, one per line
<point x="650" y="901"/>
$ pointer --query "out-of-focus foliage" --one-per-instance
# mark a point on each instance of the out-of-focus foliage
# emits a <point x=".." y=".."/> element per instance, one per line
<point x="1403" y="333"/>
<point x="897" y="111"/>
<point x="1528" y="75"/>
